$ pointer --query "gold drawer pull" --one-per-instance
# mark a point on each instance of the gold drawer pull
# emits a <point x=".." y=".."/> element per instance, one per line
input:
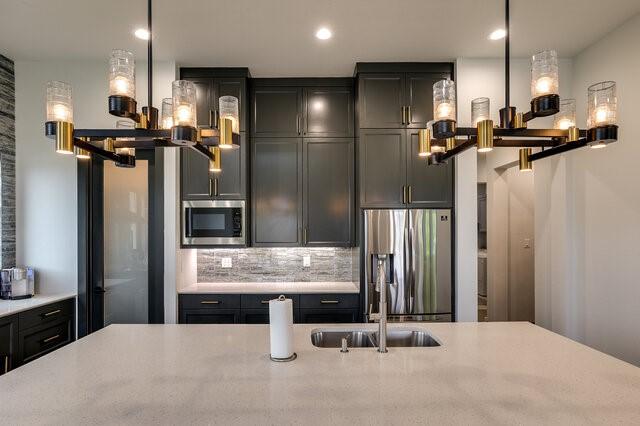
<point x="49" y="339"/>
<point x="329" y="302"/>
<point x="210" y="302"/>
<point x="57" y="311"/>
<point x="264" y="302"/>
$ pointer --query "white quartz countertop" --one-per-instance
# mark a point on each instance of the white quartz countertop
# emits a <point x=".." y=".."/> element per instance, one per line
<point x="484" y="373"/>
<point x="10" y="307"/>
<point x="272" y="287"/>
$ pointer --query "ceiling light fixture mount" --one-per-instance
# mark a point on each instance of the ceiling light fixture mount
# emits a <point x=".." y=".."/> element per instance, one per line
<point x="601" y="130"/>
<point x="179" y="127"/>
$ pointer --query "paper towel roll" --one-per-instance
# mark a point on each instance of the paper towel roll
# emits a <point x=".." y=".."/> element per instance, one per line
<point x="281" y="327"/>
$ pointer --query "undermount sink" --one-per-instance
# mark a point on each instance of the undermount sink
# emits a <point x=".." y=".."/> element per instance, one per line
<point x="396" y="337"/>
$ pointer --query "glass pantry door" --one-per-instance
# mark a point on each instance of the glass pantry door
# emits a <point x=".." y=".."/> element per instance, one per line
<point x="126" y="244"/>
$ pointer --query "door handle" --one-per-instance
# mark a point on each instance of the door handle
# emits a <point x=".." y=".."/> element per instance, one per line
<point x="409" y="114"/>
<point x="304" y="235"/>
<point x="410" y="191"/>
<point x="264" y="302"/>
<point x="298" y="123"/>
<point x="211" y="118"/>
<point x="216" y="119"/>
<point x="50" y="339"/>
<point x="404" y="194"/>
<point x="216" y="192"/>
<point x="6" y="363"/>
<point x="329" y="302"/>
<point x="402" y="113"/>
<point x="210" y="302"/>
<point x="57" y="311"/>
<point x="210" y="187"/>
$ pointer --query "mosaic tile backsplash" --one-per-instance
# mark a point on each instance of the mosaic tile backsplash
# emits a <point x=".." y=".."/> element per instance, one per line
<point x="278" y="265"/>
<point x="7" y="162"/>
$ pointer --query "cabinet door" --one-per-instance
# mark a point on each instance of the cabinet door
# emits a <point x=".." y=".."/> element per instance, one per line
<point x="233" y="87"/>
<point x="382" y="168"/>
<point x="205" y="105"/>
<point x="428" y="186"/>
<point x="229" y="184"/>
<point x="276" y="191"/>
<point x="328" y="112"/>
<point x="8" y="343"/>
<point x="206" y="316"/>
<point x="328" y="192"/>
<point x="276" y="112"/>
<point x="419" y="97"/>
<point x="380" y="100"/>
<point x="328" y="316"/>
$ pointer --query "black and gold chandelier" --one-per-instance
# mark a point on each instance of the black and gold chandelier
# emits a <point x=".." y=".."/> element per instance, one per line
<point x="442" y="139"/>
<point x="176" y="127"/>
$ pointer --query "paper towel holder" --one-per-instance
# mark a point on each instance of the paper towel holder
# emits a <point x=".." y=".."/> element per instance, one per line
<point x="281" y="298"/>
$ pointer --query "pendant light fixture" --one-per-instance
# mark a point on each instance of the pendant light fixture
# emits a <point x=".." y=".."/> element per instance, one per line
<point x="178" y="122"/>
<point x="602" y="127"/>
<point x="215" y="163"/>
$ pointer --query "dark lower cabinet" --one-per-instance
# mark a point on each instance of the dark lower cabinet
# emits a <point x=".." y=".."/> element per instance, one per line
<point x="254" y="308"/>
<point x="8" y="343"/>
<point x="31" y="334"/>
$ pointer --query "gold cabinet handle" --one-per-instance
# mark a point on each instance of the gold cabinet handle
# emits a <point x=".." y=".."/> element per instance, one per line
<point x="57" y="311"/>
<point x="409" y="114"/>
<point x="211" y="119"/>
<point x="49" y="339"/>
<point x="209" y="302"/>
<point x="210" y="187"/>
<point x="6" y="363"/>
<point x="304" y="236"/>
<point x="410" y="191"/>
<point x="329" y="302"/>
<point x="404" y="194"/>
<point x="216" y="192"/>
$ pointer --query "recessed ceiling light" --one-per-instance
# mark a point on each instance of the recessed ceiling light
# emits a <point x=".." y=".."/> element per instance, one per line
<point x="142" y="33"/>
<point x="498" y="34"/>
<point x="323" y="33"/>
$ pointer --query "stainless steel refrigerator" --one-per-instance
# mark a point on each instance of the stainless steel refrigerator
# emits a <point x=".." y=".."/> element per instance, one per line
<point x="419" y="270"/>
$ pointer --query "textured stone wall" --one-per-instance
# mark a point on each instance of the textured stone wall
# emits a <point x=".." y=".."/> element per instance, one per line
<point x="8" y="162"/>
<point x="278" y="265"/>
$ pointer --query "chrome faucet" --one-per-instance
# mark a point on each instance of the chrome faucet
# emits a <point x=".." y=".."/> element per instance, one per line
<point x="381" y="316"/>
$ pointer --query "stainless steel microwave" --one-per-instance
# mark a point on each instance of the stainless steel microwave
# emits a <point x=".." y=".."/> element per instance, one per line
<point x="213" y="222"/>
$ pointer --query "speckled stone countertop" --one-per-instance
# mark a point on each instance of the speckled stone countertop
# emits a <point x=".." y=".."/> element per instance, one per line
<point x="10" y="307"/>
<point x="484" y="373"/>
<point x="272" y="287"/>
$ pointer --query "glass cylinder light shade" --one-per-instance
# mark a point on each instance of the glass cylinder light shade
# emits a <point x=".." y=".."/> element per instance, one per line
<point x="166" y="119"/>
<point x="566" y="117"/>
<point x="480" y="110"/>
<point x="125" y="124"/>
<point x="122" y="79"/>
<point x="184" y="103"/>
<point x="59" y="102"/>
<point x="444" y="100"/>
<point x="229" y="109"/>
<point x="602" y="104"/>
<point x="544" y="74"/>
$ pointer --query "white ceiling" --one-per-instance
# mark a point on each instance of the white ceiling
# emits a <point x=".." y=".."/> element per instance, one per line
<point x="276" y="37"/>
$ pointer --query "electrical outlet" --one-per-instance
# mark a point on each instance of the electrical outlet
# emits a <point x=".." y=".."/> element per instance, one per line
<point x="527" y="243"/>
<point x="226" y="262"/>
<point x="306" y="261"/>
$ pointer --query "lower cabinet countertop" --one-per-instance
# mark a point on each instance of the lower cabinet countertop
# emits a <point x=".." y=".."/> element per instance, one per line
<point x="484" y="373"/>
<point x="272" y="287"/>
<point x="10" y="307"/>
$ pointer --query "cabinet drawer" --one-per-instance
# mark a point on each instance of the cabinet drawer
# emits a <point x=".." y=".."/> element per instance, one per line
<point x="261" y="301"/>
<point x="209" y="316"/>
<point x="209" y="301"/>
<point x="328" y="316"/>
<point x="329" y="301"/>
<point x="41" y="341"/>
<point x="46" y="314"/>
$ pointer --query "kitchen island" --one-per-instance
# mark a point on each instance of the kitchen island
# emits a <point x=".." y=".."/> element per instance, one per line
<point x="486" y="373"/>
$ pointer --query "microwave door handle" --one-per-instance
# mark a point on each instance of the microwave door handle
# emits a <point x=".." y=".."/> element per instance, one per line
<point x="187" y="222"/>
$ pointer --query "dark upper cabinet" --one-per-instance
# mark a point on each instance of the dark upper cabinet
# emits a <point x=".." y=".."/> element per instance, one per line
<point x="328" y="192"/>
<point x="205" y="96"/>
<point x="276" y="191"/>
<point x="229" y="184"/>
<point x="232" y="86"/>
<point x="8" y="343"/>
<point x="276" y="112"/>
<point x="427" y="186"/>
<point x="328" y="112"/>
<point x="419" y="98"/>
<point x="382" y="167"/>
<point x="381" y="100"/>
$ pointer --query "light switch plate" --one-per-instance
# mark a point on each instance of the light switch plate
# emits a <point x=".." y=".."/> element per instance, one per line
<point x="226" y="262"/>
<point x="306" y="261"/>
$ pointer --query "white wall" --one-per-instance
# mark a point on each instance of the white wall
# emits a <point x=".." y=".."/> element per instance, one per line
<point x="46" y="192"/>
<point x="588" y="215"/>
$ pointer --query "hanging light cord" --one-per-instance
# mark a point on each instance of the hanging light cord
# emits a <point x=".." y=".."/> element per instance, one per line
<point x="149" y="58"/>
<point x="506" y="57"/>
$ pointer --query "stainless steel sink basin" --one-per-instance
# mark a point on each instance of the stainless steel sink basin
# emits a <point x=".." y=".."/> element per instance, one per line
<point x="396" y="337"/>
<point x="323" y="338"/>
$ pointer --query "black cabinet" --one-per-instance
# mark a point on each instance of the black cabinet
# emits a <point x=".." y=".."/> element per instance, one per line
<point x="276" y="112"/>
<point x="399" y="99"/>
<point x="254" y="308"/>
<point x="328" y="112"/>
<point x="328" y="192"/>
<point x="393" y="175"/>
<point x="276" y="191"/>
<point x="229" y="184"/>
<point x="8" y="343"/>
